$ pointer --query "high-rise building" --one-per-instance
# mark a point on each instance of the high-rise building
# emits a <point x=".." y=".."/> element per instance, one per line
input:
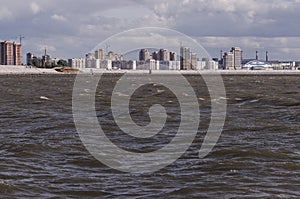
<point x="115" y="56"/>
<point x="7" y="53"/>
<point x="90" y="56"/>
<point x="29" y="58"/>
<point x="193" y="61"/>
<point x="10" y="53"/>
<point x="237" y="57"/>
<point x="185" y="58"/>
<point x="17" y="50"/>
<point x="155" y="55"/>
<point x="173" y="56"/>
<point x="100" y="54"/>
<point x="164" y="55"/>
<point x="77" y="63"/>
<point x="144" y="55"/>
<point x="228" y="60"/>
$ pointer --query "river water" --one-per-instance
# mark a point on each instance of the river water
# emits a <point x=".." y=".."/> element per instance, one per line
<point x="257" y="155"/>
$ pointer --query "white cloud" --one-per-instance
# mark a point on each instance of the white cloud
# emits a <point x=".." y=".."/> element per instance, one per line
<point x="35" y="8"/>
<point x="58" y="17"/>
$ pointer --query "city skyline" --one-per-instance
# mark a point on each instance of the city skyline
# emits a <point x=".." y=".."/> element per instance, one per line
<point x="153" y="58"/>
<point x="70" y="31"/>
<point x="11" y="54"/>
<point x="163" y="59"/>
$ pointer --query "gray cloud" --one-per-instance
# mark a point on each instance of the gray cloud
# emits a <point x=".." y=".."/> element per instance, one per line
<point x="71" y="28"/>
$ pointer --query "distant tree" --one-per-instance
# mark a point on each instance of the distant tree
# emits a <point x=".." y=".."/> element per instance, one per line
<point x="62" y="63"/>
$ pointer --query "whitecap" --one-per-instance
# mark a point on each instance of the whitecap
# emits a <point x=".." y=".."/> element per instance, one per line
<point x="255" y="100"/>
<point x="44" y="98"/>
<point x="224" y="98"/>
<point x="160" y="91"/>
<point x="121" y="94"/>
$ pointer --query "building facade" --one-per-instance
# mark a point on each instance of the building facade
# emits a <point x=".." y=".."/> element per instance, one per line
<point x="173" y="56"/>
<point x="77" y="63"/>
<point x="115" y="56"/>
<point x="164" y="55"/>
<point x="237" y="57"/>
<point x="207" y="64"/>
<point x="17" y="49"/>
<point x="100" y="54"/>
<point x="29" y="58"/>
<point x="193" y="61"/>
<point x="228" y="61"/>
<point x="185" y="58"/>
<point x="144" y="55"/>
<point x="10" y="53"/>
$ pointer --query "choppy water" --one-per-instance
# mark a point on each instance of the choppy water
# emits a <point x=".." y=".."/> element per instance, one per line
<point x="257" y="155"/>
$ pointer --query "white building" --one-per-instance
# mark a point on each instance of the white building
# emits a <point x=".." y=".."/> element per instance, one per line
<point x="212" y="65"/>
<point x="141" y="65"/>
<point x="228" y="61"/>
<point x="164" y="65"/>
<point x="237" y="57"/>
<point x="132" y="64"/>
<point x="91" y="63"/>
<point x="77" y="63"/>
<point x="106" y="64"/>
<point x="168" y="65"/>
<point x="98" y="63"/>
<point x="174" y="65"/>
<point x="207" y="64"/>
<point x="288" y="65"/>
<point x="150" y="64"/>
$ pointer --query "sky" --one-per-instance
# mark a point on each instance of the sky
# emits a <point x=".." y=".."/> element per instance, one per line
<point x="69" y="28"/>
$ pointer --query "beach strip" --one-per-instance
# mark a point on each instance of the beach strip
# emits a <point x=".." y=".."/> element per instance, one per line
<point x="6" y="70"/>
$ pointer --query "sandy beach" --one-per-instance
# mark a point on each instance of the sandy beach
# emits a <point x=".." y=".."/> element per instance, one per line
<point x="5" y="70"/>
<point x="25" y="70"/>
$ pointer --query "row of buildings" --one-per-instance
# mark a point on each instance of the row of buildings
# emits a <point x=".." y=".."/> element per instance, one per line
<point x="149" y="64"/>
<point x="10" y="53"/>
<point x="162" y="59"/>
<point x="233" y="60"/>
<point x="161" y="55"/>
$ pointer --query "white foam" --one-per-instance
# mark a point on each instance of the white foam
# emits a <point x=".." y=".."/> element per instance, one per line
<point x="44" y="98"/>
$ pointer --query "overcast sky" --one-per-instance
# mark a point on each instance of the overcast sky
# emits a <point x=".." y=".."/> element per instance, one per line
<point x="71" y="28"/>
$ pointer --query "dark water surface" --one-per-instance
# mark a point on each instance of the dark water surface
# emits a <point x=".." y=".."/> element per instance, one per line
<point x="257" y="155"/>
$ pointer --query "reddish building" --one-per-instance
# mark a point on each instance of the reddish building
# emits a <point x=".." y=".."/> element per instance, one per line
<point x="17" y="54"/>
<point x="10" y="53"/>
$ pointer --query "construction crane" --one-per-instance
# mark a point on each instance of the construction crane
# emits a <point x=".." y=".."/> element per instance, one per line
<point x="21" y="37"/>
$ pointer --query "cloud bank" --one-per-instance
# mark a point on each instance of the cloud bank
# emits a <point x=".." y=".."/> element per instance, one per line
<point x="72" y="28"/>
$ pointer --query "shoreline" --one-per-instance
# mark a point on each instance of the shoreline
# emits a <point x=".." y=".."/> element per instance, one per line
<point x="23" y="70"/>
